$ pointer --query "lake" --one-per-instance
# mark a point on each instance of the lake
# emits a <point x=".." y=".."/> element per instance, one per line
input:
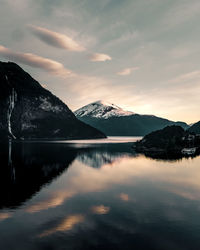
<point x="96" y="194"/>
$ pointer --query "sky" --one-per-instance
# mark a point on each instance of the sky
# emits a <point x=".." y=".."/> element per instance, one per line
<point x="142" y="55"/>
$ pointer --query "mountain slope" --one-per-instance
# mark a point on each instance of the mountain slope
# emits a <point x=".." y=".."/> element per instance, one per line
<point x="27" y="110"/>
<point x="114" y="121"/>
<point x="195" y="128"/>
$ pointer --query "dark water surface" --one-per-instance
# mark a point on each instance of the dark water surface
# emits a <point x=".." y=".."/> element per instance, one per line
<point x="89" y="195"/>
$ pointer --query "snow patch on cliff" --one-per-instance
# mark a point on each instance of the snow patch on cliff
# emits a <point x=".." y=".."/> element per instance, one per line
<point x="46" y="105"/>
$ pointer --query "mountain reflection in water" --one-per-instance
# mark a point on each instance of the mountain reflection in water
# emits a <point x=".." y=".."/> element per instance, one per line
<point x="67" y="196"/>
<point x="26" y="167"/>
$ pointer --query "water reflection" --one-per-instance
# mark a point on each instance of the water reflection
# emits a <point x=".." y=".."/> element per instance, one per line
<point x="98" y="156"/>
<point x="26" y="167"/>
<point x="101" y="209"/>
<point x="56" y="199"/>
<point x="124" y="197"/>
<point x="66" y="225"/>
<point x="4" y="216"/>
<point x="96" y="197"/>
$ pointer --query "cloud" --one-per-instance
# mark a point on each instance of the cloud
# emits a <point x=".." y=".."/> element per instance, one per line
<point x="35" y="61"/>
<point x="96" y="57"/>
<point x="182" y="12"/>
<point x="125" y="38"/>
<point x="127" y="71"/>
<point x="194" y="75"/>
<point x="55" y="39"/>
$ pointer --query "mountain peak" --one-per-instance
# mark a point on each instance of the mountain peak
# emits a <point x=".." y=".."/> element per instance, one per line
<point x="105" y="103"/>
<point x="102" y="109"/>
<point x="29" y="111"/>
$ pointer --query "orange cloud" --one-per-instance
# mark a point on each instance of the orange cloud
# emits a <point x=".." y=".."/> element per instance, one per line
<point x="97" y="57"/>
<point x="127" y="71"/>
<point x="33" y="60"/>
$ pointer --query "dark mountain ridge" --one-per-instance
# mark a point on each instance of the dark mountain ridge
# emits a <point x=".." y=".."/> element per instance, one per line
<point x="30" y="111"/>
<point x="169" y="142"/>
<point x="195" y="128"/>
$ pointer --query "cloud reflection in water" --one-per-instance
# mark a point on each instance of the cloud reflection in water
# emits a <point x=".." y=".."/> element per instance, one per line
<point x="66" y="225"/>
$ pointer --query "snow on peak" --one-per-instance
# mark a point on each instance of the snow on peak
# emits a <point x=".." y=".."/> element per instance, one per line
<point x="102" y="109"/>
<point x="104" y="103"/>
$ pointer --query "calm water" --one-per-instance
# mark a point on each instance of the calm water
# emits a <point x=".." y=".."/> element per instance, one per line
<point x="96" y="196"/>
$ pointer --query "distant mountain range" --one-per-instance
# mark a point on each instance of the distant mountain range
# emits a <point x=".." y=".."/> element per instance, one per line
<point x="195" y="128"/>
<point x="27" y="110"/>
<point x="114" y="121"/>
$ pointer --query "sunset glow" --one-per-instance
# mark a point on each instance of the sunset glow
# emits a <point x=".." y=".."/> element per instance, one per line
<point x="139" y="55"/>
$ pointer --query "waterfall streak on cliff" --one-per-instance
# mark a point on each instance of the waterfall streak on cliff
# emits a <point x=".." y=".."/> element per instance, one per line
<point x="12" y="99"/>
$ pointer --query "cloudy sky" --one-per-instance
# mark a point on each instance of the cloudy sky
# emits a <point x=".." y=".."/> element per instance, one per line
<point x="142" y="55"/>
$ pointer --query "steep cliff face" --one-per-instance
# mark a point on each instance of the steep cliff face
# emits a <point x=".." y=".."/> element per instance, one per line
<point x="27" y="110"/>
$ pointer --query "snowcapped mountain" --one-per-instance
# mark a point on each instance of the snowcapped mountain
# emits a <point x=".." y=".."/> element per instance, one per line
<point x="102" y="109"/>
<point x="115" y="121"/>
<point x="27" y="110"/>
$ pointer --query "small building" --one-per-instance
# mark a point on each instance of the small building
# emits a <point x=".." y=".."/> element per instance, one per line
<point x="188" y="151"/>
